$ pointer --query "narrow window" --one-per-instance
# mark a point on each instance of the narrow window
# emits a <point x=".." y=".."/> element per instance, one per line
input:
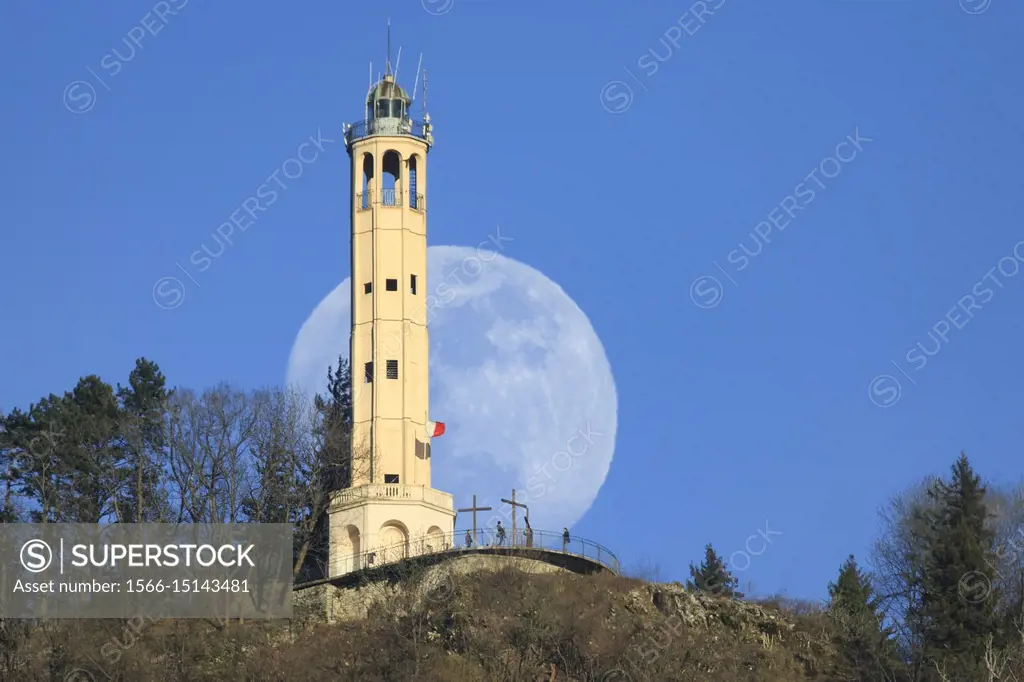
<point x="413" y="198"/>
<point x="391" y="193"/>
<point x="368" y="372"/>
<point x="368" y="287"/>
<point x="412" y="284"/>
<point x="364" y="196"/>
<point x="391" y="284"/>
<point x="391" y="478"/>
<point x="392" y="369"/>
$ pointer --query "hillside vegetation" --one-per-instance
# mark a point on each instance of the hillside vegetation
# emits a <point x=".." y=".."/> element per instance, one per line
<point x="502" y="626"/>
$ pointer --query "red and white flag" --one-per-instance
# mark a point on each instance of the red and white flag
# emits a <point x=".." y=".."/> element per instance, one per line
<point x="435" y="429"/>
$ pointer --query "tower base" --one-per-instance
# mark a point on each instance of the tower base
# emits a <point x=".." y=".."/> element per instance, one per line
<point x="371" y="525"/>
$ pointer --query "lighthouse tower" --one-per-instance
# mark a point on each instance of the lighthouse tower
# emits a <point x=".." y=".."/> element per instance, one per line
<point x="389" y="511"/>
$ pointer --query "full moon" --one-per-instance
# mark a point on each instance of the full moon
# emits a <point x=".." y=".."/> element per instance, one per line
<point x="516" y="373"/>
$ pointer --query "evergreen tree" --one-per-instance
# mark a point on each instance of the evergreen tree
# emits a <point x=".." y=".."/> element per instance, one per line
<point x="69" y="457"/>
<point x="336" y="466"/>
<point x="866" y="650"/>
<point x="63" y="454"/>
<point x="89" y="454"/>
<point x="957" y="600"/>
<point x="713" y="577"/>
<point x="143" y="404"/>
<point x="336" y="427"/>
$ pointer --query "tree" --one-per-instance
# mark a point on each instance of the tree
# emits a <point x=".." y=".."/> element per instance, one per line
<point x="866" y="651"/>
<point x="958" y="598"/>
<point x="209" y="443"/>
<point x="335" y="426"/>
<point x="713" y="577"/>
<point x="91" y="453"/>
<point x="62" y="457"/>
<point x="143" y="406"/>
<point x="9" y="513"/>
<point x="288" y="482"/>
<point x="1007" y="507"/>
<point x="335" y="467"/>
<point x="898" y="558"/>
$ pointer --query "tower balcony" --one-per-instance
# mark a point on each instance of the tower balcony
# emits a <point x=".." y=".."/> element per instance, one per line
<point x="400" y="127"/>
<point x="392" y="492"/>
<point x="389" y="197"/>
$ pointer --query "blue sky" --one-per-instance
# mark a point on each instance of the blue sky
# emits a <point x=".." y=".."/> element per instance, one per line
<point x="629" y="180"/>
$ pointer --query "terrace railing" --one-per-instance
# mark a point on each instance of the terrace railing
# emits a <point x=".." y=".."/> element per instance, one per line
<point x="455" y="542"/>
<point x="386" y="126"/>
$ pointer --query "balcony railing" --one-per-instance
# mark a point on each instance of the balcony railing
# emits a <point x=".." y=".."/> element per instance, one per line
<point x="439" y="543"/>
<point x="386" y="197"/>
<point x="387" y="126"/>
<point x="394" y="491"/>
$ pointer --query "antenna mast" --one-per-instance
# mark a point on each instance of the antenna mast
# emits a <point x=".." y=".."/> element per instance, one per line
<point x="417" y="81"/>
<point x="387" y="65"/>
<point x="424" y="91"/>
<point x="398" y="62"/>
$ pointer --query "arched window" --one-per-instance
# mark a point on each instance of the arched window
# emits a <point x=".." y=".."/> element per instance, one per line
<point x="364" y="197"/>
<point x="391" y="194"/>
<point x="414" y="201"/>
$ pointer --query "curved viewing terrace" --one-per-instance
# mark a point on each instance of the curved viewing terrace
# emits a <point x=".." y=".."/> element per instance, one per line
<point x="547" y="546"/>
<point x="388" y="126"/>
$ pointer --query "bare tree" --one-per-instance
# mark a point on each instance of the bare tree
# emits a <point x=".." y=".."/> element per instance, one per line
<point x="898" y="561"/>
<point x="143" y="493"/>
<point x="280" y="445"/>
<point x="209" y="460"/>
<point x="1007" y="505"/>
<point x="291" y="477"/>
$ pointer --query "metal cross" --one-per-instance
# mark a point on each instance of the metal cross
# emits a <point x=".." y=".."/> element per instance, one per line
<point x="514" y="505"/>
<point x="474" y="509"/>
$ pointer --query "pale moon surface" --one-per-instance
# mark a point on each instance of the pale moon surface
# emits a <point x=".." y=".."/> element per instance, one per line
<point x="516" y="373"/>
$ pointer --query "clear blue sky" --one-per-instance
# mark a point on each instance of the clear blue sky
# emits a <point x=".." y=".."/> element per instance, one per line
<point x="756" y="409"/>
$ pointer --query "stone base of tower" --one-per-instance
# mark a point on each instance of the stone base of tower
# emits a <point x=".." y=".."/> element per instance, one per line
<point x="376" y="524"/>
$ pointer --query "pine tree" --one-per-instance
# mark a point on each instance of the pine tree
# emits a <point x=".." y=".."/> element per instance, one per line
<point x="336" y="427"/>
<point x="143" y="412"/>
<point x="337" y="468"/>
<point x="957" y="601"/>
<point x="866" y="650"/>
<point x="713" y="577"/>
